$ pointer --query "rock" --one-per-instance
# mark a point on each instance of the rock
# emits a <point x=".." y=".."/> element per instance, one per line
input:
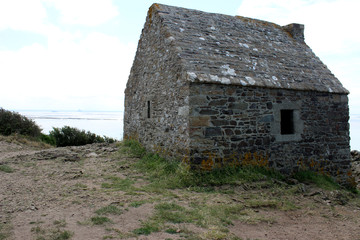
<point x="355" y="166"/>
<point x="91" y="155"/>
<point x="355" y="155"/>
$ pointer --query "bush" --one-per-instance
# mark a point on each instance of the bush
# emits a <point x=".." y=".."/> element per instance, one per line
<point x="49" y="139"/>
<point x="69" y="136"/>
<point x="14" y="123"/>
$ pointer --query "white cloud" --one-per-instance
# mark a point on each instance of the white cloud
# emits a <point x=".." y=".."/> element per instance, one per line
<point x="71" y="71"/>
<point x="80" y="69"/>
<point x="25" y="15"/>
<point x="85" y="12"/>
<point x="330" y="26"/>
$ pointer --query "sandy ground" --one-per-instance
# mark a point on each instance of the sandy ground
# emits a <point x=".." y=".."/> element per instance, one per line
<point x="55" y="190"/>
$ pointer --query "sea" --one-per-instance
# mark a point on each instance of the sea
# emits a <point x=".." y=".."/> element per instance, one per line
<point x="110" y="124"/>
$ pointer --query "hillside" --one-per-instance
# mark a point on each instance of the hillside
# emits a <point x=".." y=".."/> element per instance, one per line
<point x="98" y="192"/>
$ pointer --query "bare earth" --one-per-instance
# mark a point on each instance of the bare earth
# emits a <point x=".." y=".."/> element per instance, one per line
<point x="56" y="190"/>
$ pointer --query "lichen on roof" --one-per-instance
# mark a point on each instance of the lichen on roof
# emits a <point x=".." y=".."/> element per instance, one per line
<point x="252" y="48"/>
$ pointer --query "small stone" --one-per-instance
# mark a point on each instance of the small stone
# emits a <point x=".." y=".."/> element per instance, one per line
<point x="91" y="155"/>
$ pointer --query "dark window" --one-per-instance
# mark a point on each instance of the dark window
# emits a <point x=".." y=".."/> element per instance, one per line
<point x="148" y="109"/>
<point x="287" y="122"/>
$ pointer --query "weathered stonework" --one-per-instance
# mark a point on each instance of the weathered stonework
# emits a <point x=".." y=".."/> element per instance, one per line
<point x="212" y="89"/>
<point x="246" y="121"/>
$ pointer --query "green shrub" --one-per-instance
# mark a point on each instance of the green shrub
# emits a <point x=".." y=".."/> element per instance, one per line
<point x="69" y="136"/>
<point x="49" y="139"/>
<point x="15" y="123"/>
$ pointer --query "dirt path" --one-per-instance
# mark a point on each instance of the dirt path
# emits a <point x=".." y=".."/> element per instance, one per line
<point x="58" y="194"/>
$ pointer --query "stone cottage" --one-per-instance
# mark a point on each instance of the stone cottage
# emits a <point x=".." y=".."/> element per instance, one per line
<point x="213" y="89"/>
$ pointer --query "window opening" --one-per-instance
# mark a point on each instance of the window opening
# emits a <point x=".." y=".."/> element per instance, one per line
<point x="287" y="122"/>
<point x="148" y="109"/>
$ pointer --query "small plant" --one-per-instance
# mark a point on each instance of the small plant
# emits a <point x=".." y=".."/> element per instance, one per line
<point x="111" y="209"/>
<point x="60" y="223"/>
<point x="136" y="204"/>
<point x="171" y="230"/>
<point x="38" y="230"/>
<point x="61" y="235"/>
<point x="99" y="220"/>
<point x="147" y="228"/>
<point x="5" y="168"/>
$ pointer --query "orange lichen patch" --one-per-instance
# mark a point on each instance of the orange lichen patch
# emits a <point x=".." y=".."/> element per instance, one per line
<point x="153" y="7"/>
<point x="351" y="179"/>
<point x="207" y="164"/>
<point x="156" y="5"/>
<point x="132" y="137"/>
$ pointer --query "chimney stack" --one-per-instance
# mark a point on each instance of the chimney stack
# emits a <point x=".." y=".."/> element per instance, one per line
<point x="296" y="31"/>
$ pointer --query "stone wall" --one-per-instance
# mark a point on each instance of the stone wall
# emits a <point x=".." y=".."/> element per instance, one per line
<point x="230" y="123"/>
<point x="156" y="99"/>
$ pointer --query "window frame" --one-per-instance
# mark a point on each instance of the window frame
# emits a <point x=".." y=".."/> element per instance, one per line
<point x="298" y="124"/>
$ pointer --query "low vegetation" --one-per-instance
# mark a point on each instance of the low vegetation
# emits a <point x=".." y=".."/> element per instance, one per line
<point x="6" y="169"/>
<point x="174" y="174"/>
<point x="12" y="123"/>
<point x="69" y="136"/>
<point x="56" y="232"/>
<point x="15" y="123"/>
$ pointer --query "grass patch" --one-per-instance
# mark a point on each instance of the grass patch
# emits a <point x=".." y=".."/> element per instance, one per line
<point x="171" y="231"/>
<point x="134" y="148"/>
<point x="202" y="215"/>
<point x="26" y="140"/>
<point x="164" y="173"/>
<point x="260" y="203"/>
<point x="100" y="220"/>
<point x="217" y="215"/>
<point x="322" y="181"/>
<point x="214" y="233"/>
<point x="52" y="234"/>
<point x="136" y="204"/>
<point x="147" y="228"/>
<point x="38" y="230"/>
<point x="111" y="209"/>
<point x="6" y="168"/>
<point x="118" y="183"/>
<point x="173" y="213"/>
<point x="60" y="223"/>
<point x="4" y="231"/>
<point x="61" y="235"/>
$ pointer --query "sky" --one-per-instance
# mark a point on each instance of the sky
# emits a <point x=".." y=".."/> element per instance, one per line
<point x="77" y="54"/>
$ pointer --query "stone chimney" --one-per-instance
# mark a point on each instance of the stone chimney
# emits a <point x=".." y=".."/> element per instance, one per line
<point x="296" y="31"/>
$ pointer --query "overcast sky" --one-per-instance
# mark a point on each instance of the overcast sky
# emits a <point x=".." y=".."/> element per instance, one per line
<point x="77" y="54"/>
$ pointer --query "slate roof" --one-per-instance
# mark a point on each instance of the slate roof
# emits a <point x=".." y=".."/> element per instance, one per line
<point x="224" y="49"/>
